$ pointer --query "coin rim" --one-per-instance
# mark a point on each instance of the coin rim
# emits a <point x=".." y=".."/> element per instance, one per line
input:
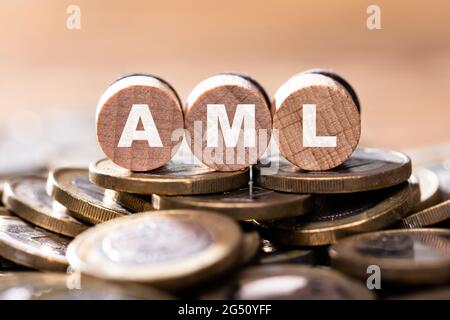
<point x="81" y="209"/>
<point x="251" y="243"/>
<point x="427" y="217"/>
<point x="435" y="196"/>
<point x="211" y="182"/>
<point x="35" y="216"/>
<point x="385" y="213"/>
<point x="296" y="205"/>
<point x="22" y="255"/>
<point x="359" y="291"/>
<point x="405" y="272"/>
<point x="133" y="202"/>
<point x="336" y="183"/>
<point x="59" y="282"/>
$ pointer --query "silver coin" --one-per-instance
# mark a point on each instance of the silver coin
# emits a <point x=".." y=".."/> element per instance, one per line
<point x="290" y="282"/>
<point x="410" y="256"/>
<point x="31" y="246"/>
<point x="55" y="286"/>
<point x="442" y="170"/>
<point x="172" y="248"/>
<point x="28" y="198"/>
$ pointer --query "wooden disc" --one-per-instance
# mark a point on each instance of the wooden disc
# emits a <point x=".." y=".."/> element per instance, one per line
<point x="340" y="80"/>
<point x="132" y="97"/>
<point x="337" y="115"/>
<point x="232" y="91"/>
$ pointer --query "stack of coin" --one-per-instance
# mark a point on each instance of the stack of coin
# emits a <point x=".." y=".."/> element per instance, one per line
<point x="372" y="190"/>
<point x="272" y="231"/>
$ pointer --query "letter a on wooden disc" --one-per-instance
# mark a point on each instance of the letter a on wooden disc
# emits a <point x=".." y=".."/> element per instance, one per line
<point x="318" y="123"/>
<point x="229" y="121"/>
<point x="136" y="119"/>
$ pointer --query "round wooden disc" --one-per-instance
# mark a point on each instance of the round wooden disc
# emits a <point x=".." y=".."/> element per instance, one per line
<point x="336" y="115"/>
<point x="229" y="90"/>
<point x="114" y="109"/>
<point x="341" y="80"/>
<point x="367" y="169"/>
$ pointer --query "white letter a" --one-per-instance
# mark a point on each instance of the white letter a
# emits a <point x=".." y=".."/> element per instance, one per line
<point x="130" y="132"/>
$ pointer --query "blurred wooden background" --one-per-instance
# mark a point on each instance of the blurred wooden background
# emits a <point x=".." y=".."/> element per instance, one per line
<point x="401" y="73"/>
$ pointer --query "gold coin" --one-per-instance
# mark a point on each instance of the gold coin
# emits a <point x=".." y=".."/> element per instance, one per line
<point x="366" y="169"/>
<point x="242" y="204"/>
<point x="32" y="246"/>
<point x="427" y="217"/>
<point x="429" y="188"/>
<point x="417" y="256"/>
<point x="175" y="178"/>
<point x="291" y="282"/>
<point x="340" y="215"/>
<point x="171" y="249"/>
<point x="87" y="202"/>
<point x="442" y="170"/>
<point x="27" y="198"/>
<point x="250" y="246"/>
<point x="134" y="202"/>
<point x="56" y="286"/>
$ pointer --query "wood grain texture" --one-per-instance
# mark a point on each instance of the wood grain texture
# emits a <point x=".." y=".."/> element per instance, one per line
<point x="112" y="113"/>
<point x="230" y="90"/>
<point x="337" y="115"/>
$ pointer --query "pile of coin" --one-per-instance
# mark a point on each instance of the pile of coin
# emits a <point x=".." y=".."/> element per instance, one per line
<point x="272" y="231"/>
<point x="315" y="219"/>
